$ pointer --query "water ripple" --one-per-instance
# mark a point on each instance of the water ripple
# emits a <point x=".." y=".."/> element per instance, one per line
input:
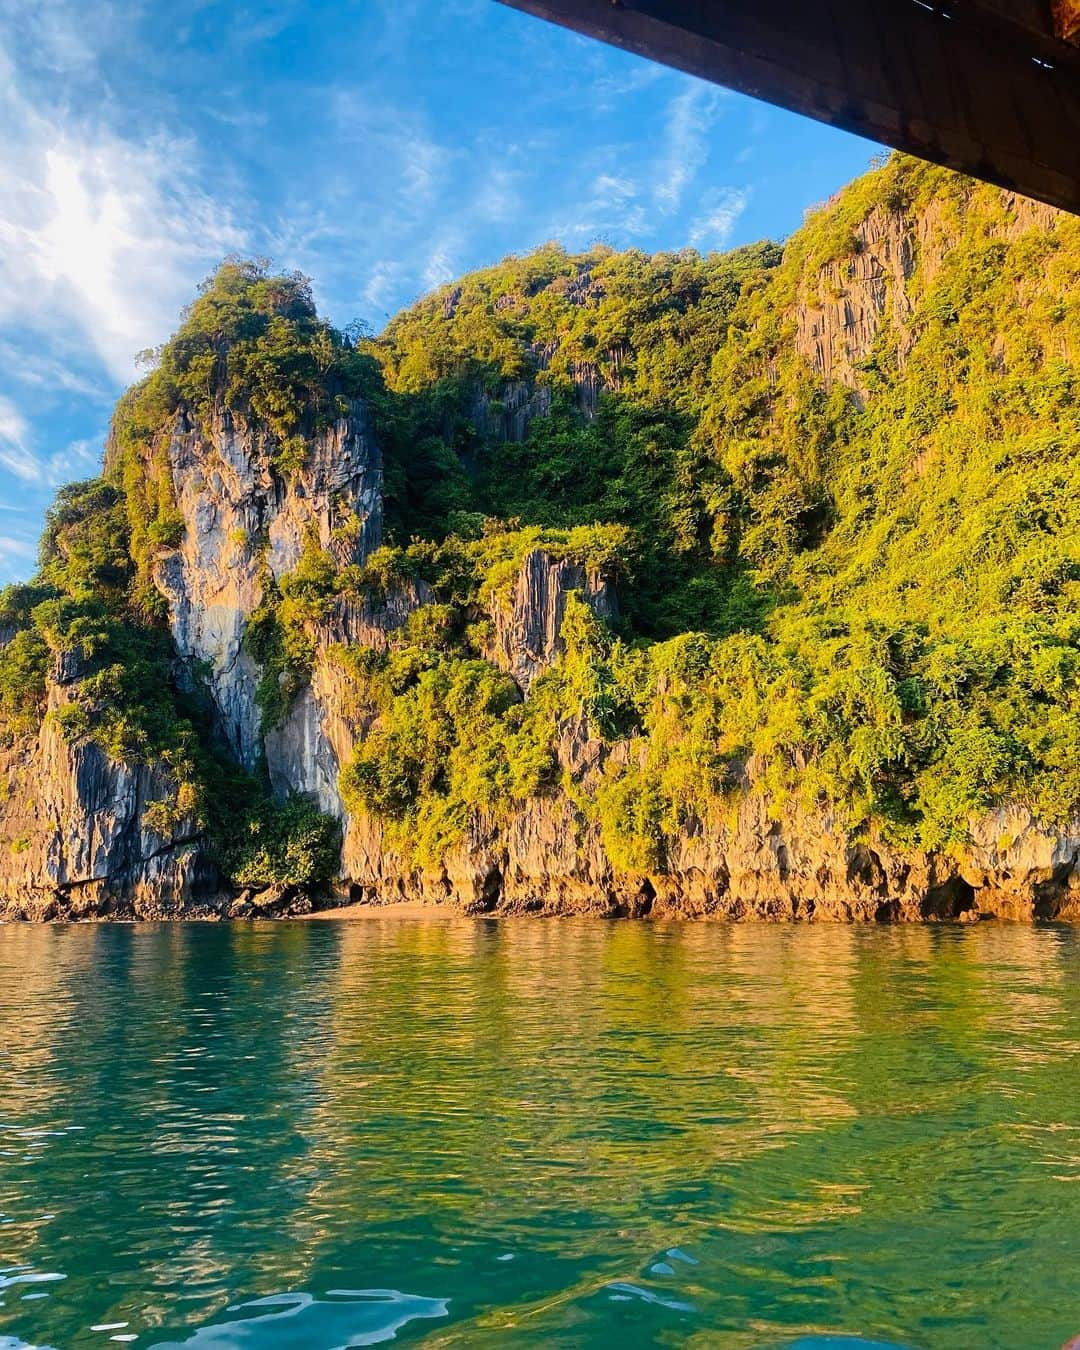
<point x="344" y="1318"/>
<point x="566" y="1134"/>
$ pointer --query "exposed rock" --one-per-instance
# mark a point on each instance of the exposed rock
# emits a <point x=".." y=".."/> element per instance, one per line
<point x="75" y="842"/>
<point x="450" y="302"/>
<point x="244" y="520"/>
<point x="548" y="858"/>
<point x="527" y="623"/>
<point x="372" y="621"/>
<point x="299" y="758"/>
<point x="78" y="848"/>
<point x="507" y="414"/>
<point x="842" y="311"/>
<point x="306" y="753"/>
<point x="843" y="307"/>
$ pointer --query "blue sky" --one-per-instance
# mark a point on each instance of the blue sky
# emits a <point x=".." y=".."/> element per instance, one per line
<point x="382" y="146"/>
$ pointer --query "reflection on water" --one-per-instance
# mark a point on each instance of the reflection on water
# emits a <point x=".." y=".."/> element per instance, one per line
<point x="346" y="1317"/>
<point x="553" y="1134"/>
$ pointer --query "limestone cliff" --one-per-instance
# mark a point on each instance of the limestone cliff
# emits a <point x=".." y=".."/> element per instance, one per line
<point x="746" y="863"/>
<point x="844" y="305"/>
<point x="93" y="827"/>
<point x="246" y="526"/>
<point x="508" y="413"/>
<point x="527" y="626"/>
<point x="79" y="835"/>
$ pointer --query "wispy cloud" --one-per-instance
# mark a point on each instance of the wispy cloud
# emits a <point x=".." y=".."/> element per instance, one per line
<point x="613" y="191"/>
<point x="60" y="45"/>
<point x="611" y="88"/>
<point x="691" y="115"/>
<point x="399" y="150"/>
<point x="77" y="459"/>
<point x="15" y="454"/>
<point x="382" y="285"/>
<point x="644" y="194"/>
<point x="50" y="372"/>
<point x="442" y="265"/>
<point x="16" y="554"/>
<point x="613" y="205"/>
<point x="97" y="232"/>
<point x="721" y="209"/>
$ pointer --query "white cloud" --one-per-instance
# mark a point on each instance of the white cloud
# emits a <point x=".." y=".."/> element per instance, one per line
<point x="440" y="266"/>
<point x="611" y="191"/>
<point x="12" y="549"/>
<point x="397" y="149"/>
<point x="45" y="28"/>
<point x="497" y="200"/>
<point x="16" y="556"/>
<point x="382" y="285"/>
<point x="631" y="198"/>
<point x="272" y="21"/>
<point x="98" y="233"/>
<point x="610" y="88"/>
<point x="690" y="118"/>
<point x="15" y="454"/>
<point x="79" y="459"/>
<point x="22" y="364"/>
<point x="420" y="163"/>
<point x="611" y="205"/>
<point x="721" y="209"/>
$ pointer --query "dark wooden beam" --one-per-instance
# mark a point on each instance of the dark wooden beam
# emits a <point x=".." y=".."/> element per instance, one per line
<point x="989" y="87"/>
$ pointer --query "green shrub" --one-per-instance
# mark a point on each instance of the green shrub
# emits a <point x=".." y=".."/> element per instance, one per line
<point x="24" y="666"/>
<point x="870" y="593"/>
<point x="288" y="843"/>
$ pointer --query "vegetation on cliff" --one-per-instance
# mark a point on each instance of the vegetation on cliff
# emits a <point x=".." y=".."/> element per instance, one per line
<point x="868" y="587"/>
<point x="884" y="579"/>
<point x="80" y="625"/>
<point x="252" y="345"/>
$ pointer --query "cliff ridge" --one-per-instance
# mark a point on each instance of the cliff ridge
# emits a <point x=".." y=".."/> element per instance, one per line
<point x="744" y="586"/>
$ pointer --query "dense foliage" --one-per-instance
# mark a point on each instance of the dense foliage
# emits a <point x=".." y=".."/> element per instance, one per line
<point x="869" y="591"/>
<point x="878" y="587"/>
<point x="251" y="343"/>
<point x="624" y="336"/>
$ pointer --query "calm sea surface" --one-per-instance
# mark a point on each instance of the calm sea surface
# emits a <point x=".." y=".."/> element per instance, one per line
<point x="456" y="1133"/>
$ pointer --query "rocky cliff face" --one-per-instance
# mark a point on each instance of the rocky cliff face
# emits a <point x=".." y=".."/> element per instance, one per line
<point x="79" y="831"/>
<point x="246" y="526"/>
<point x="316" y="739"/>
<point x="320" y="734"/>
<point x="527" y="624"/>
<point x="508" y="414"/>
<point x="76" y="839"/>
<point x="844" y="305"/>
<point x="549" y="858"/>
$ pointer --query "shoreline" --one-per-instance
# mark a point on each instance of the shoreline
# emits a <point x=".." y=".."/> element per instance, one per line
<point x="413" y="910"/>
<point x="397" y="909"/>
<point x="418" y="909"/>
<point x="799" y="915"/>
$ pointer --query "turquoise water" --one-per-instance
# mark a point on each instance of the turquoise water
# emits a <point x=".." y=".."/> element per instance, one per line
<point x="452" y="1133"/>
